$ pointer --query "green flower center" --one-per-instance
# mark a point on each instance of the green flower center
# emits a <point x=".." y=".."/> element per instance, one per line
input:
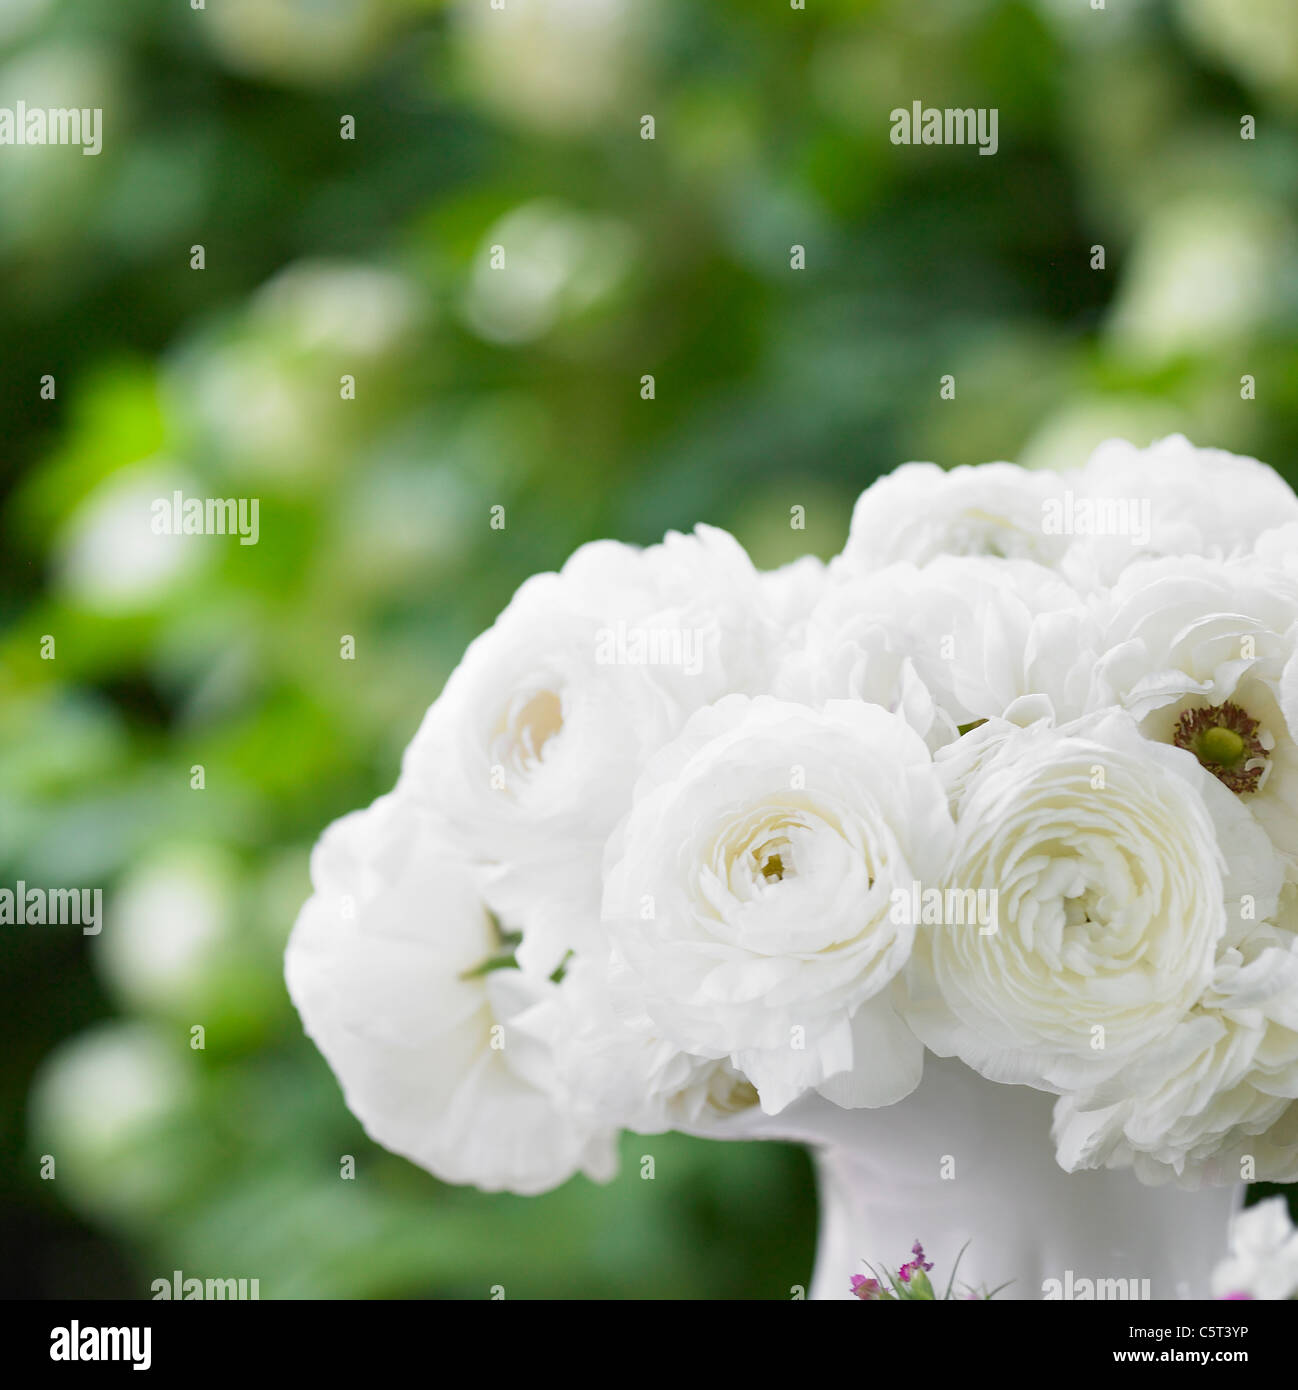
<point x="773" y="869"/>
<point x="1220" y="745"/>
<point x="1225" y="740"/>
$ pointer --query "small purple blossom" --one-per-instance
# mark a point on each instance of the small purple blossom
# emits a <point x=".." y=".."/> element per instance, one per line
<point x="911" y="1283"/>
<point x="919" y="1262"/>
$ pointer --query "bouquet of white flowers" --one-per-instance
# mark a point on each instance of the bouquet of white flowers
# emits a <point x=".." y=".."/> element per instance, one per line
<point x="1012" y="780"/>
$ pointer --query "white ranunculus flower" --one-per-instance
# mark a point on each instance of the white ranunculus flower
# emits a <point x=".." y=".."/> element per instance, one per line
<point x="529" y="755"/>
<point x="1263" y="1259"/>
<point x="961" y="639"/>
<point x="384" y="966"/>
<point x="1204" y="653"/>
<point x="1168" y="499"/>
<point x="616" y="1068"/>
<point x="750" y="892"/>
<point x="1124" y="504"/>
<point x="1221" y="1089"/>
<point x="921" y="511"/>
<point x="1117" y="862"/>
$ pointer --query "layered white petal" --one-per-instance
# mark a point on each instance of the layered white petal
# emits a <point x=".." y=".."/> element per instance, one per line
<point x="1171" y="499"/>
<point x="749" y="890"/>
<point x="920" y="511"/>
<point x="1106" y="853"/>
<point x="384" y="968"/>
<point x="529" y="755"/>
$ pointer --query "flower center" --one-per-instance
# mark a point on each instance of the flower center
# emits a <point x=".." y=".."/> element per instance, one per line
<point x="773" y="869"/>
<point x="531" y="721"/>
<point x="1221" y="746"/>
<point x="1224" y="739"/>
<point x="773" y="858"/>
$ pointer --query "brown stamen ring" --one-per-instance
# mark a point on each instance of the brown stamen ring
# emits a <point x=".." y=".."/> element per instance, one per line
<point x="1224" y="739"/>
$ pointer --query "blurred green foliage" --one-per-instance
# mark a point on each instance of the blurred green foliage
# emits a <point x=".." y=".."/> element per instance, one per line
<point x="626" y="257"/>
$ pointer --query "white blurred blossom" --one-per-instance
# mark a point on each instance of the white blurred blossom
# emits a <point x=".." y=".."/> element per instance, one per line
<point x="557" y="262"/>
<point x="109" y="558"/>
<point x="165" y="925"/>
<point x="558" y="65"/>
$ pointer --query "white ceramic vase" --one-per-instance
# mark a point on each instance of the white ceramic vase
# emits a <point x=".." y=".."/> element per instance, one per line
<point x="965" y="1160"/>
